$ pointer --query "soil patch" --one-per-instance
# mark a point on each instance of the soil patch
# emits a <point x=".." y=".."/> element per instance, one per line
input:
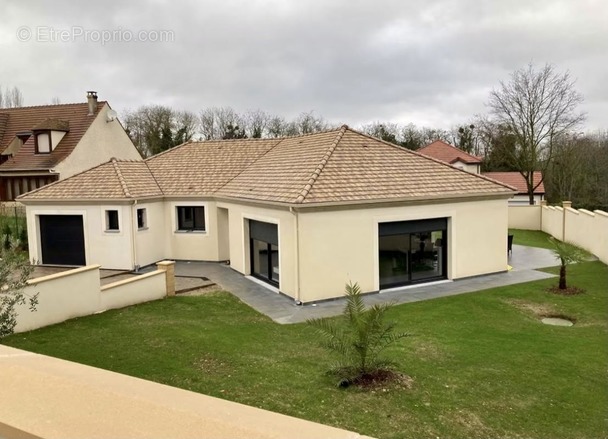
<point x="380" y="379"/>
<point x="570" y="291"/>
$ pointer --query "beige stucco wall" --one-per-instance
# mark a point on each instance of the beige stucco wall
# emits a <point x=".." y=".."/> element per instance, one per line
<point x="239" y="214"/>
<point x="524" y="217"/>
<point x="102" y="141"/>
<point x="109" y="249"/>
<point x="472" y="168"/>
<point x="151" y="242"/>
<point x="45" y="397"/>
<point x="61" y="297"/>
<point x="552" y="221"/>
<point x="588" y="230"/>
<point x="75" y="293"/>
<point x="140" y="289"/>
<point x="523" y="200"/>
<point x="195" y="245"/>
<point x="341" y="246"/>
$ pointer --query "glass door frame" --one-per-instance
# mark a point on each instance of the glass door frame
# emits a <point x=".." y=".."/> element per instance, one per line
<point x="269" y="273"/>
<point x="444" y="265"/>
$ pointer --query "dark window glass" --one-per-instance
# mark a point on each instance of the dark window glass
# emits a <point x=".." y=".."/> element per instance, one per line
<point x="112" y="220"/>
<point x="141" y="219"/>
<point x="191" y="218"/>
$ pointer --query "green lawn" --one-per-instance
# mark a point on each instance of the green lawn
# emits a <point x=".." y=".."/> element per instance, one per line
<point x="531" y="238"/>
<point x="482" y="363"/>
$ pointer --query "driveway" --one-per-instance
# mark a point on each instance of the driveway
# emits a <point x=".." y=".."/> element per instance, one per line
<point x="524" y="260"/>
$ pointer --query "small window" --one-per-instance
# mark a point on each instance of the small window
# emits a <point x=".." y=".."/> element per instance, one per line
<point x="191" y="218"/>
<point x="142" y="220"/>
<point x="43" y="143"/>
<point x="112" y="220"/>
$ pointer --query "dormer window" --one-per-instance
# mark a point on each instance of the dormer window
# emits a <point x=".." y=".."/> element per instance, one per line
<point x="48" y="134"/>
<point x="43" y="142"/>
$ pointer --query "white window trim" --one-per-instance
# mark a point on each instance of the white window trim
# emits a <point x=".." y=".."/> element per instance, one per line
<point x="145" y="226"/>
<point x="104" y="220"/>
<point x="175" y="222"/>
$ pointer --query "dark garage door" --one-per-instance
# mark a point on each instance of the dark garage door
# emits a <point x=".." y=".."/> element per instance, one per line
<point x="62" y="239"/>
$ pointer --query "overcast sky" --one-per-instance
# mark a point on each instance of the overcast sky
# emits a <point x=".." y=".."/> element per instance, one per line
<point x="428" y="62"/>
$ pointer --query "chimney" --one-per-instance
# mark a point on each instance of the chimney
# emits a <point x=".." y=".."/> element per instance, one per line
<point x="92" y="101"/>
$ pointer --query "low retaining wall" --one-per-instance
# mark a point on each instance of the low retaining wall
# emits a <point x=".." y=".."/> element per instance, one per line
<point x="76" y="293"/>
<point x="588" y="230"/>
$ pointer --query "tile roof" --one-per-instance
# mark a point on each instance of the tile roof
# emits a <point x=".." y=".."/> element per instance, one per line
<point x="14" y="120"/>
<point x="116" y="179"/>
<point x="517" y="180"/>
<point x="448" y="153"/>
<point x="333" y="166"/>
<point x="203" y="167"/>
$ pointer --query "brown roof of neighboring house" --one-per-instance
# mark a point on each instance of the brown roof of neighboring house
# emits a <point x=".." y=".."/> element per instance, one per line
<point x="329" y="167"/>
<point x="62" y="117"/>
<point x="517" y="180"/>
<point x="448" y="153"/>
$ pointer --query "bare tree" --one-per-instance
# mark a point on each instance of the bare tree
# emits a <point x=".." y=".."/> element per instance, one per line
<point x="536" y="106"/>
<point x="256" y="123"/>
<point x="55" y="100"/>
<point x="11" y="98"/>
<point x="276" y="126"/>
<point x="308" y="123"/>
<point x="156" y="128"/>
<point x="219" y="122"/>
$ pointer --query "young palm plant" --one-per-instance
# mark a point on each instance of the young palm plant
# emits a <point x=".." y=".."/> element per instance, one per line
<point x="358" y="338"/>
<point x="567" y="254"/>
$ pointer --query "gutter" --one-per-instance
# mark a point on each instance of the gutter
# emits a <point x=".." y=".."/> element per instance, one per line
<point x="133" y="243"/>
<point x="297" y="261"/>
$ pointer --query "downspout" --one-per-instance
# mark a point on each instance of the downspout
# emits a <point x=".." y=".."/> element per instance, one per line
<point x="297" y="261"/>
<point x="133" y="244"/>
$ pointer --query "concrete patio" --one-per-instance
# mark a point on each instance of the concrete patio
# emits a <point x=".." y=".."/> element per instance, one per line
<point x="524" y="260"/>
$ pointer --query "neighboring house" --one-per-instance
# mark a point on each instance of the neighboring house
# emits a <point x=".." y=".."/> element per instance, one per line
<point x="517" y="180"/>
<point x="304" y="214"/>
<point x="452" y="155"/>
<point x="39" y="145"/>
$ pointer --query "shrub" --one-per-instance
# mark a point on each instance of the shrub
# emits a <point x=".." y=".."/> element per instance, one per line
<point x="358" y="338"/>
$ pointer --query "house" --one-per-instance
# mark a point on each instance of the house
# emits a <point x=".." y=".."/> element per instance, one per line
<point x="43" y="144"/>
<point x="302" y="214"/>
<point x="450" y="154"/>
<point x="517" y="180"/>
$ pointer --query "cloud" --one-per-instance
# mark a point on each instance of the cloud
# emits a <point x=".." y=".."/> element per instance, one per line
<point x="430" y="63"/>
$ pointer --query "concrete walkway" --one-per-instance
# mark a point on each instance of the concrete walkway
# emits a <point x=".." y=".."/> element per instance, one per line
<point x="281" y="309"/>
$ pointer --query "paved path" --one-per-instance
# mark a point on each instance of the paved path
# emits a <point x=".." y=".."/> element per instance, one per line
<point x="525" y="261"/>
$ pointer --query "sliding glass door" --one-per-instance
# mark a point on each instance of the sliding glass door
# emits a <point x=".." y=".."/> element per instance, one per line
<point x="264" y="251"/>
<point x="412" y="251"/>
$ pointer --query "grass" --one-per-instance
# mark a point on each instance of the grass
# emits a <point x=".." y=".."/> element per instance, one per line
<point x="482" y="363"/>
<point x="531" y="238"/>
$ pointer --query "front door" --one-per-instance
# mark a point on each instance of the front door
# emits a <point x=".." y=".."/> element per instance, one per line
<point x="264" y="251"/>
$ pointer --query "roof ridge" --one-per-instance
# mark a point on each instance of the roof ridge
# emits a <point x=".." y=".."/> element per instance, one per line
<point x="166" y="151"/>
<point x="25" y="107"/>
<point x="402" y="148"/>
<point x="248" y="139"/>
<point x="121" y="179"/>
<point x="313" y="178"/>
<point x="278" y="141"/>
<point x="153" y="176"/>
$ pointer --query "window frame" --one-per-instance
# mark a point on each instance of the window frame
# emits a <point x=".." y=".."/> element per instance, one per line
<point x="191" y="210"/>
<point x="144" y="223"/>
<point x="37" y="144"/>
<point x="108" y="221"/>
